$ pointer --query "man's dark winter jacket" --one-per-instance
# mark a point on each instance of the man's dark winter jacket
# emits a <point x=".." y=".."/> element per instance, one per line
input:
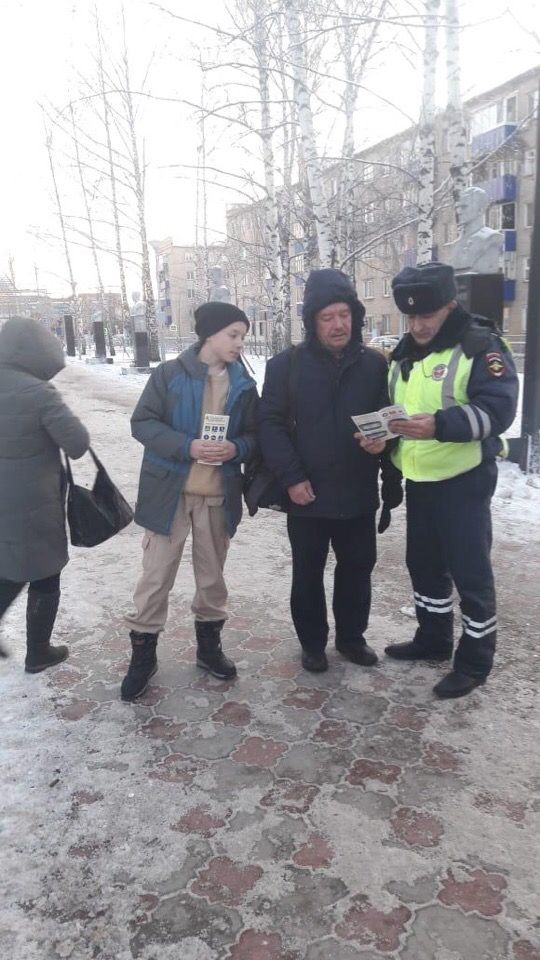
<point x="166" y="420"/>
<point x="327" y="392"/>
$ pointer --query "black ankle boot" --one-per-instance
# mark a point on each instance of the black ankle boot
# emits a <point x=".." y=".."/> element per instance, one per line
<point x="41" y="609"/>
<point x="210" y="655"/>
<point x="143" y="665"/>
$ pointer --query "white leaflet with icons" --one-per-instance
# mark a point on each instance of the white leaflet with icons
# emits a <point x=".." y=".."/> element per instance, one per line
<point x="214" y="429"/>
<point x="374" y="425"/>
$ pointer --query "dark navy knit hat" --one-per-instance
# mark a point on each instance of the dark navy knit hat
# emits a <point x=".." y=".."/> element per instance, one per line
<point x="215" y="315"/>
<point x="424" y="289"/>
<point x="327" y="286"/>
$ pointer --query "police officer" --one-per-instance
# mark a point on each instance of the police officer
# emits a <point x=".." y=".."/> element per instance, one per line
<point x="456" y="378"/>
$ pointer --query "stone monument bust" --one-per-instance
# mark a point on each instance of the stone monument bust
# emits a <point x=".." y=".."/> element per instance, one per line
<point x="138" y="313"/>
<point x="479" y="248"/>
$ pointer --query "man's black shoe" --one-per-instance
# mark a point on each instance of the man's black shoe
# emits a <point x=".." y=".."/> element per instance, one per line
<point x="456" y="684"/>
<point x="358" y="653"/>
<point x="412" y="651"/>
<point x="315" y="662"/>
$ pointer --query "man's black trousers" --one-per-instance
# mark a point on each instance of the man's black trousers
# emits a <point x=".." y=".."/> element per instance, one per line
<point x="354" y="544"/>
<point x="449" y="542"/>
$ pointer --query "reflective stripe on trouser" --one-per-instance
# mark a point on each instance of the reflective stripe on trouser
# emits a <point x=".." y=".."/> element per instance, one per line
<point x="449" y="543"/>
<point x="205" y="518"/>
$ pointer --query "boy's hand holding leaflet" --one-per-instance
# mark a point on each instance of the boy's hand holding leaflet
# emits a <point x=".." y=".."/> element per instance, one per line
<point x="214" y="441"/>
<point x="376" y="425"/>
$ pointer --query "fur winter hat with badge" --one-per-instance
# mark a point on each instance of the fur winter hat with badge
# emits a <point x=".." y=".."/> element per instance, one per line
<point x="425" y="289"/>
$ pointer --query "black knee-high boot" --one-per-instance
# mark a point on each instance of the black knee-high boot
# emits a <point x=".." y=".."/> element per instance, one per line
<point x="41" y="609"/>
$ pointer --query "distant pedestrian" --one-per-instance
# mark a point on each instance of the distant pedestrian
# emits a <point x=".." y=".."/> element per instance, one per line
<point x="189" y="484"/>
<point x="35" y="424"/>
<point x="308" y="441"/>
<point x="455" y="376"/>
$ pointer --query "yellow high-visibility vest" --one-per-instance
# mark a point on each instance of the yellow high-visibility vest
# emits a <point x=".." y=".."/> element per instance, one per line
<point x="435" y="383"/>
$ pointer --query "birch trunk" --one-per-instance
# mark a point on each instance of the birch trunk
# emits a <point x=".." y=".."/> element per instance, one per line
<point x="457" y="131"/>
<point x="307" y="131"/>
<point x="91" y="236"/>
<point x="138" y="186"/>
<point x="73" y="285"/>
<point x="271" y="229"/>
<point x="424" y="246"/>
<point x="126" y="316"/>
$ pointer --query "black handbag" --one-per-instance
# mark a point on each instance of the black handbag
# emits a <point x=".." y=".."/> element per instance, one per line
<point x="95" y="515"/>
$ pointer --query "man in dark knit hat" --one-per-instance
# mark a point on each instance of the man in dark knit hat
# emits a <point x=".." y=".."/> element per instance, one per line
<point x="455" y="376"/>
<point x="189" y="483"/>
<point x="330" y="479"/>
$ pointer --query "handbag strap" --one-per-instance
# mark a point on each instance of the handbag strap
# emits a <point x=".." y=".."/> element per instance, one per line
<point x="95" y="458"/>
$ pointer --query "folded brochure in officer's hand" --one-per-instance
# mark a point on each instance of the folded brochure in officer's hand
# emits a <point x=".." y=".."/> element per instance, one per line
<point x="374" y="425"/>
<point x="214" y="428"/>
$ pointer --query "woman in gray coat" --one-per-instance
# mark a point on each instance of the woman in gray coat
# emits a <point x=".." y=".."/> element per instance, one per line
<point x="35" y="424"/>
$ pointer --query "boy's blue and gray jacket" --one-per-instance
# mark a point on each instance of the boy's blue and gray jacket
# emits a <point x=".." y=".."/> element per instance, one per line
<point x="166" y="420"/>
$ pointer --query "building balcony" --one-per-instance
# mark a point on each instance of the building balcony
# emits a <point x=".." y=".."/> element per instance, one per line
<point x="491" y="139"/>
<point x="500" y="189"/>
<point x="509" y="241"/>
<point x="509" y="290"/>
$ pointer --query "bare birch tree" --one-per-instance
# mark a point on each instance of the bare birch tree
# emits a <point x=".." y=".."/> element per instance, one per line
<point x="424" y="245"/>
<point x="326" y="251"/>
<point x="457" y="130"/>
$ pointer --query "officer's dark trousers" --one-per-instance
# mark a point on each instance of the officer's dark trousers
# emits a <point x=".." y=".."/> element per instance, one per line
<point x="449" y="539"/>
<point x="354" y="544"/>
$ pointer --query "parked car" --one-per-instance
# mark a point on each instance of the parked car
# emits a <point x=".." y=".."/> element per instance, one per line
<point x="384" y="344"/>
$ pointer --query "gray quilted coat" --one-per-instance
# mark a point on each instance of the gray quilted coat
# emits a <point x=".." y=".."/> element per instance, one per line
<point x="35" y="424"/>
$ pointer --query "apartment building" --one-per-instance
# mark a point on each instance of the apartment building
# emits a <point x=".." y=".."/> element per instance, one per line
<point x="502" y="138"/>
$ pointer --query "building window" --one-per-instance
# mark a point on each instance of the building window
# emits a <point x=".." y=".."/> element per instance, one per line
<point x="190" y="275"/>
<point x="528" y="214"/>
<point x="369" y="289"/>
<point x="507" y="109"/>
<point x="298" y="231"/>
<point x="368" y="172"/>
<point x="386" y="287"/>
<point x="529" y="164"/>
<point x="526" y="266"/>
<point x="261" y="328"/>
<point x="532" y="103"/>
<point x="297" y="264"/>
<point x="370" y="323"/>
<point x="502" y="216"/>
<point x="189" y="256"/>
<point x="385" y="325"/>
<point x="191" y="293"/>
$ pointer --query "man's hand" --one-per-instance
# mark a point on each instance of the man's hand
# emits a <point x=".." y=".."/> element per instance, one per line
<point x="370" y="446"/>
<point x="421" y="426"/>
<point x="212" y="451"/>
<point x="301" y="493"/>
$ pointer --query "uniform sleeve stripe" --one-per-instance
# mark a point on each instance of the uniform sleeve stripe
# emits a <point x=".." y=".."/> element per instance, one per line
<point x="484" y="421"/>
<point x="473" y="421"/>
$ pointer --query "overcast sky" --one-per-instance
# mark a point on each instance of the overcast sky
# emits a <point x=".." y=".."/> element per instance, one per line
<point x="46" y="43"/>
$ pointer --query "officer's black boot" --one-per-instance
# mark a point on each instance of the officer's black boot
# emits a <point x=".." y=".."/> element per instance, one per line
<point x="142" y="667"/>
<point x="456" y="684"/>
<point x="41" y="609"/>
<point x="210" y="655"/>
<point x="421" y="648"/>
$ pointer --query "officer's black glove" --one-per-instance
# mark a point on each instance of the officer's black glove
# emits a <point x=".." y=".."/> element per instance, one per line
<point x="391" y="491"/>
